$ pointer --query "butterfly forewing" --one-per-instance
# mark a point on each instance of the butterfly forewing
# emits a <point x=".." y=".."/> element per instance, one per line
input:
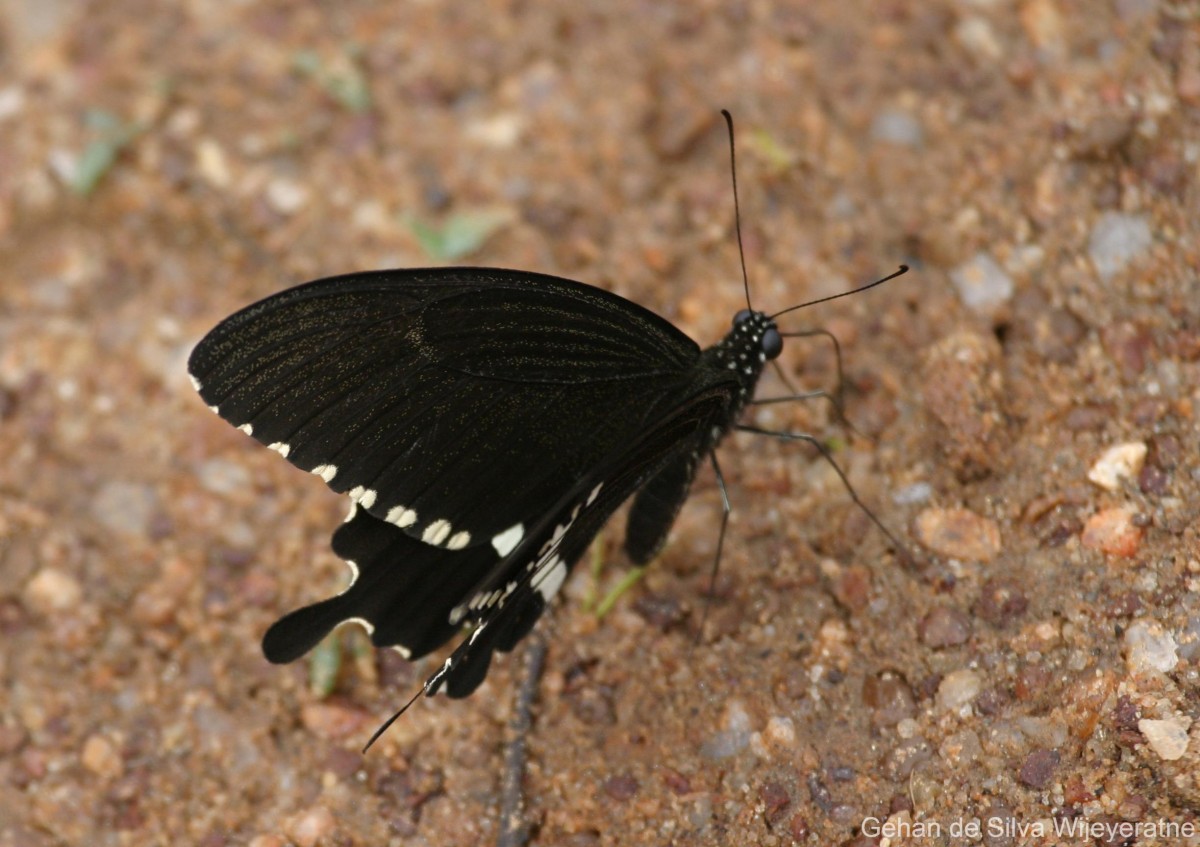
<point x="452" y="403"/>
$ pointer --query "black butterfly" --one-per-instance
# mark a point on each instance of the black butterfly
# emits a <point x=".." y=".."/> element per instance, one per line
<point x="485" y="424"/>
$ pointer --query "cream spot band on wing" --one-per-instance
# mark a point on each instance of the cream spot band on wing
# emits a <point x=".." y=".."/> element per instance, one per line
<point x="195" y="382"/>
<point x="555" y="575"/>
<point x="325" y="472"/>
<point x="401" y="516"/>
<point x="247" y="428"/>
<point x="508" y="540"/>
<point x="280" y="448"/>
<point x="364" y="497"/>
<point x="436" y="533"/>
<point x="459" y="540"/>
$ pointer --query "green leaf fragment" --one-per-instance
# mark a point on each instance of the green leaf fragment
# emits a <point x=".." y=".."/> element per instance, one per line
<point x="460" y="234"/>
<point x="628" y="581"/>
<point x="324" y="665"/>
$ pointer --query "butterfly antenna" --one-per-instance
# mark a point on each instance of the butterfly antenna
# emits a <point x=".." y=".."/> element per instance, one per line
<point x="901" y="272"/>
<point x="737" y="212"/>
<point x="392" y="720"/>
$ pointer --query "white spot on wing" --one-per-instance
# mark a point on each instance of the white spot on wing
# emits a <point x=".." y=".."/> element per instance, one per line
<point x="353" y="566"/>
<point x="595" y="493"/>
<point x="402" y="650"/>
<point x="555" y="575"/>
<point x="458" y="541"/>
<point x="365" y="497"/>
<point x="401" y="516"/>
<point x="363" y="622"/>
<point x="247" y="428"/>
<point x="279" y="447"/>
<point x="325" y="472"/>
<point x="353" y="511"/>
<point x="436" y="533"/>
<point x="508" y="540"/>
<point x="195" y="382"/>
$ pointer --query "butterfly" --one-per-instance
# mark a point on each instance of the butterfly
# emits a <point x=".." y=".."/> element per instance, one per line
<point x="485" y="424"/>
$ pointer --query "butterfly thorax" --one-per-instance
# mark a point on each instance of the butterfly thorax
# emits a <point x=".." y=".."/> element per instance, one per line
<point x="742" y="354"/>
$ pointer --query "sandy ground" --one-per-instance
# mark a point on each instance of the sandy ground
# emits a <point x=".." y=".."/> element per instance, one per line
<point x="1025" y="404"/>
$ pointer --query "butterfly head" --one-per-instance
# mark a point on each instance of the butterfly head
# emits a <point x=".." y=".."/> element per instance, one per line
<point x="761" y="331"/>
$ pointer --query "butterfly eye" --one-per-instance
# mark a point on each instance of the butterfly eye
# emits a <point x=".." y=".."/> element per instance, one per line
<point x="772" y="343"/>
<point x="741" y="316"/>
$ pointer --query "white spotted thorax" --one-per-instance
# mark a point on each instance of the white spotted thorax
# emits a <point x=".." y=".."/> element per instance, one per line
<point x="745" y="350"/>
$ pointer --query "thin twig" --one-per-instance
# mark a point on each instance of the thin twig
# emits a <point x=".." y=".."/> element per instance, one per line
<point x="514" y="829"/>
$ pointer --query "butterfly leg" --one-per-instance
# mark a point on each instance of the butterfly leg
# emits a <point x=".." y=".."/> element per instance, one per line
<point x="836" y="399"/>
<point x="712" y="576"/>
<point x="825" y="454"/>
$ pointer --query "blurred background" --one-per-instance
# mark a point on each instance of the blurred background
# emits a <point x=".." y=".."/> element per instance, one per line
<point x="1023" y="409"/>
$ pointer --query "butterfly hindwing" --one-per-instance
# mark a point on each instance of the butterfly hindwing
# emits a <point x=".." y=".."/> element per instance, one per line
<point x="403" y="592"/>
<point x="527" y="580"/>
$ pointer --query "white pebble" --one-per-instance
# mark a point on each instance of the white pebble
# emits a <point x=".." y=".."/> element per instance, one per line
<point x="1122" y="461"/>
<point x="1116" y="240"/>
<point x="286" y="196"/>
<point x="53" y="590"/>
<point x="982" y="284"/>
<point x="1149" y="647"/>
<point x="1168" y="738"/>
<point x="958" y="689"/>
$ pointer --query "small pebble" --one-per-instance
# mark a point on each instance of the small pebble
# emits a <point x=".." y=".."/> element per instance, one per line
<point x="961" y="748"/>
<point x="286" y="196"/>
<point x="501" y="131"/>
<point x="918" y="492"/>
<point x="222" y="476"/>
<point x="52" y="590"/>
<point x="890" y="698"/>
<point x="621" y="787"/>
<point x="944" y="627"/>
<point x="1149" y="647"/>
<point x="982" y="284"/>
<point x="1121" y="461"/>
<point x="1038" y="768"/>
<point x="897" y="126"/>
<point x="331" y="720"/>
<point x="310" y="827"/>
<point x="958" y="534"/>
<point x="1189" y="639"/>
<point x="101" y="758"/>
<point x="1043" y="25"/>
<point x="12" y="102"/>
<point x="975" y="35"/>
<point x="1001" y="601"/>
<point x="775" y="800"/>
<point x="212" y="163"/>
<point x="958" y="689"/>
<point x="1112" y="531"/>
<point x="125" y="507"/>
<point x="1116" y="240"/>
<point x="734" y="738"/>
<point x="780" y="732"/>
<point x="1168" y="738"/>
